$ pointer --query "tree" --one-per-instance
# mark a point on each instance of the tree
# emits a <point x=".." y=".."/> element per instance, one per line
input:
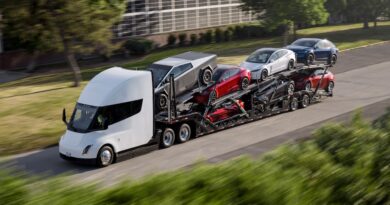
<point x="291" y="13"/>
<point x="77" y="26"/>
<point x="367" y="10"/>
<point x="336" y="9"/>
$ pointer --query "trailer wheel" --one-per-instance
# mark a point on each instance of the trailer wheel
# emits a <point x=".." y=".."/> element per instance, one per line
<point x="244" y="83"/>
<point x="183" y="133"/>
<point x="310" y="59"/>
<point x="294" y="104"/>
<point x="305" y="101"/>
<point x="206" y="76"/>
<point x="290" y="65"/>
<point x="167" y="138"/>
<point x="105" y="156"/>
<point x="162" y="101"/>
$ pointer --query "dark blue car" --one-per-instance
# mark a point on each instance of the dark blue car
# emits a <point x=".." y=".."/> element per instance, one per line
<point x="310" y="50"/>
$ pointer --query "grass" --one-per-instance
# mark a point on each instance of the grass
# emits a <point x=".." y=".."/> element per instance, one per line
<point x="30" y="108"/>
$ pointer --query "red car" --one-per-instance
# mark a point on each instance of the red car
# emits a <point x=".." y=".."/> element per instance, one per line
<point x="226" y="79"/>
<point x="225" y="112"/>
<point x="308" y="79"/>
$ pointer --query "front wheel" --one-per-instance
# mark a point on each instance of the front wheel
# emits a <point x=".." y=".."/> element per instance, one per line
<point x="206" y="76"/>
<point x="332" y="60"/>
<point x="330" y="88"/>
<point x="167" y="138"/>
<point x="310" y="59"/>
<point x="244" y="83"/>
<point x="105" y="156"/>
<point x="290" y="65"/>
<point x="294" y="104"/>
<point x="264" y="75"/>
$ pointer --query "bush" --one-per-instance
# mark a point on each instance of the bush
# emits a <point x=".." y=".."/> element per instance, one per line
<point x="218" y="35"/>
<point x="193" y="39"/>
<point x="139" y="46"/>
<point x="171" y="41"/>
<point x="202" y="38"/>
<point x="227" y="35"/>
<point x="182" y="39"/>
<point x="208" y="37"/>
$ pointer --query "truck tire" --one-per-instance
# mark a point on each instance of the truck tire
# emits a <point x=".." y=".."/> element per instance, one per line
<point x="105" y="156"/>
<point x="294" y="104"/>
<point x="167" y="138"/>
<point x="183" y="133"/>
<point x="206" y="76"/>
<point x="162" y="101"/>
<point x="305" y="101"/>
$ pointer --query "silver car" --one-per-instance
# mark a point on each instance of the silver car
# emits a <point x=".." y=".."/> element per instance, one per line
<point x="189" y="69"/>
<point x="268" y="61"/>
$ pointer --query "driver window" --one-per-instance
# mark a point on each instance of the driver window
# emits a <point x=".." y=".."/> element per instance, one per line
<point x="225" y="75"/>
<point x="274" y="56"/>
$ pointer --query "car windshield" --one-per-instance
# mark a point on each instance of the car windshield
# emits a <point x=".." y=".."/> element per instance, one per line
<point x="305" y="43"/>
<point x="218" y="74"/>
<point x="159" y="72"/>
<point x="82" y="117"/>
<point x="261" y="56"/>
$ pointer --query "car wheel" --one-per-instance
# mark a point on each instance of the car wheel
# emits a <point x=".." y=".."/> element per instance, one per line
<point x="330" y="87"/>
<point x="184" y="133"/>
<point x="332" y="60"/>
<point x="167" y="138"/>
<point x="290" y="89"/>
<point x="309" y="59"/>
<point x="244" y="83"/>
<point x="294" y="104"/>
<point x="305" y="101"/>
<point x="105" y="156"/>
<point x="264" y="75"/>
<point x="290" y="65"/>
<point x="162" y="101"/>
<point x="308" y="86"/>
<point x="206" y="76"/>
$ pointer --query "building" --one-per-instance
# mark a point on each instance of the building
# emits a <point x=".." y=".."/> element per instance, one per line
<point x="150" y="17"/>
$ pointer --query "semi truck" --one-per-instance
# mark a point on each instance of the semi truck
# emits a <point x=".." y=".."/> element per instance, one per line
<point x="115" y="117"/>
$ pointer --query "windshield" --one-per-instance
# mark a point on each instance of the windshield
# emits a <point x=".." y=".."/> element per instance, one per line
<point x="159" y="72"/>
<point x="82" y="117"/>
<point x="260" y="56"/>
<point x="305" y="43"/>
<point x="217" y="74"/>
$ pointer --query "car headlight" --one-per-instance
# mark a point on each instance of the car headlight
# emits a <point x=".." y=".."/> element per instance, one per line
<point x="86" y="149"/>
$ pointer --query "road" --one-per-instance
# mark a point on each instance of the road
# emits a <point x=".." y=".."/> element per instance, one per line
<point x="362" y="81"/>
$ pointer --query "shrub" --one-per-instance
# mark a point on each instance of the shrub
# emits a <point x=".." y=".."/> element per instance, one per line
<point x="171" y="41"/>
<point x="208" y="37"/>
<point x="218" y="35"/>
<point x="227" y="35"/>
<point x="202" y="38"/>
<point x="139" y="46"/>
<point x="182" y="39"/>
<point x="193" y="39"/>
<point x="237" y="32"/>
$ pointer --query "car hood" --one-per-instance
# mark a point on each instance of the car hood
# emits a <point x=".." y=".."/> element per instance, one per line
<point x="298" y="48"/>
<point x="253" y="67"/>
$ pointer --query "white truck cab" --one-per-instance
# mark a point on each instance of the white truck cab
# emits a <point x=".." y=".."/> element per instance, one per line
<point x="113" y="114"/>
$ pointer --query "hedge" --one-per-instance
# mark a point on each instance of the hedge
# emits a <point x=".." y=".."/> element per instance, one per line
<point x="342" y="164"/>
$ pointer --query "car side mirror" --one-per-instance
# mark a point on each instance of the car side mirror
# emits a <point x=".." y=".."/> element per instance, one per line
<point x="64" y="117"/>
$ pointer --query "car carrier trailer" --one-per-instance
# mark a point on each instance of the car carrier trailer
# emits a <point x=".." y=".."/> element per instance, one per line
<point x="115" y="117"/>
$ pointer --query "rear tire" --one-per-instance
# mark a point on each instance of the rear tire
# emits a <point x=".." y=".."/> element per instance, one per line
<point x="206" y="76"/>
<point x="183" y="133"/>
<point x="244" y="83"/>
<point x="305" y="101"/>
<point x="105" y="156"/>
<point x="330" y="88"/>
<point x="167" y="138"/>
<point x="162" y="100"/>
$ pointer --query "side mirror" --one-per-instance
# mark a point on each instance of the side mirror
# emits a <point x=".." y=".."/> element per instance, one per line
<point x="64" y="117"/>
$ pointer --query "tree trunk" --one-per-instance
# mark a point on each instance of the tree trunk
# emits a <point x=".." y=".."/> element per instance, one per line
<point x="286" y="34"/>
<point x="75" y="68"/>
<point x="365" y="24"/>
<point x="295" y="28"/>
<point x="33" y="62"/>
<point x="375" y="23"/>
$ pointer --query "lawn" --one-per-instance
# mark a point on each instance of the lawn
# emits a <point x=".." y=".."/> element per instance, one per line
<point x="30" y="108"/>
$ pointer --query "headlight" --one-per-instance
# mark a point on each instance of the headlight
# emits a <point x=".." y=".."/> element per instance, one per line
<point x="86" y="149"/>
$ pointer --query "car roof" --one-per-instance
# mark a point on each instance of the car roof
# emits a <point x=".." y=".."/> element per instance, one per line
<point x="192" y="55"/>
<point x="226" y="67"/>
<point x="310" y="39"/>
<point x="269" y="49"/>
<point x="171" y="61"/>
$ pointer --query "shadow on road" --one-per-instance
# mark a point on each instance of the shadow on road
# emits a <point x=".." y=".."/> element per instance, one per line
<point x="46" y="163"/>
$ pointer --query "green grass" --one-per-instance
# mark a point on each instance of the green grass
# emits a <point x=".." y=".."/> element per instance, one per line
<point x="30" y="108"/>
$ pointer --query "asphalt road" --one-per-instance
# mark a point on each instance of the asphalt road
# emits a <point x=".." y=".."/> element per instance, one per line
<point x="362" y="81"/>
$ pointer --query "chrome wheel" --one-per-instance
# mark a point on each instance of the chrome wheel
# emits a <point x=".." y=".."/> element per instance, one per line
<point x="106" y="156"/>
<point x="184" y="133"/>
<point x="168" y="138"/>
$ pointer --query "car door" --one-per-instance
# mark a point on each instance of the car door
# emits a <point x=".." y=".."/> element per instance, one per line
<point x="284" y="60"/>
<point x="279" y="63"/>
<point x="272" y="63"/>
<point x="223" y="86"/>
<point x="187" y="77"/>
<point x="234" y="80"/>
<point x="321" y="51"/>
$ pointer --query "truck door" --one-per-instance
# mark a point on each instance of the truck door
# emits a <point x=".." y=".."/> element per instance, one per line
<point x="184" y="79"/>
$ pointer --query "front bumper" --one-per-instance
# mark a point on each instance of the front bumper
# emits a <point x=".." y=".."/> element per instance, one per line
<point x="78" y="160"/>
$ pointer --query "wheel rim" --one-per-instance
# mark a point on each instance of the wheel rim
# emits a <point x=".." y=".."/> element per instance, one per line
<point x="330" y="87"/>
<point x="245" y="83"/>
<point x="184" y="133"/>
<point x="163" y="101"/>
<point x="308" y="87"/>
<point x="305" y="101"/>
<point x="168" y="138"/>
<point x="106" y="157"/>
<point x="206" y="76"/>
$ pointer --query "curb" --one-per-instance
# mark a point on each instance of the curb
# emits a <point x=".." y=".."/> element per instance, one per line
<point x="372" y="44"/>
